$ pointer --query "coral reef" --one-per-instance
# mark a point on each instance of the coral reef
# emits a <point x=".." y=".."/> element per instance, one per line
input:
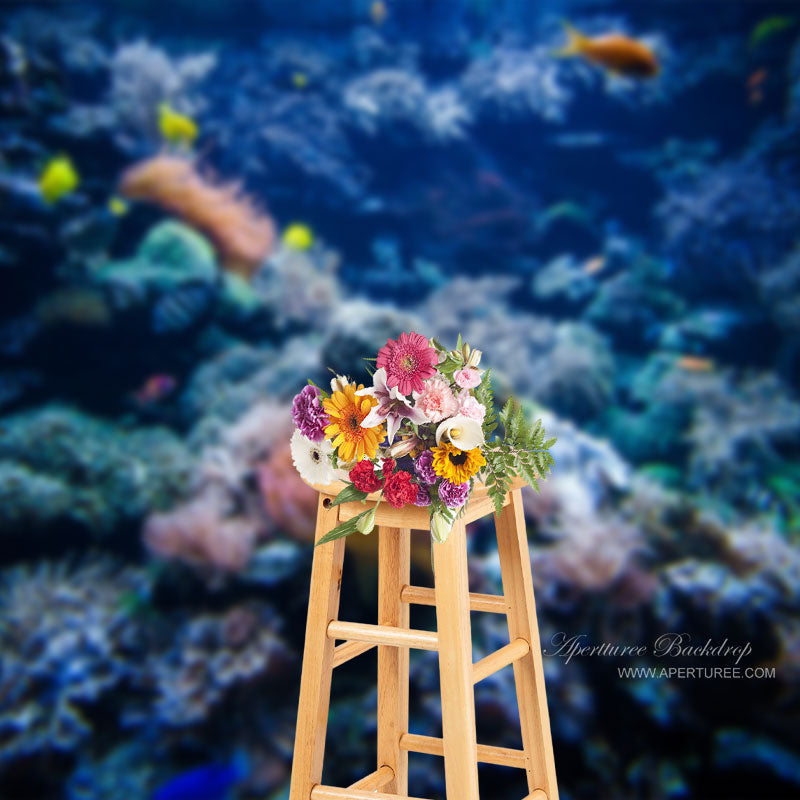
<point x="514" y="82"/>
<point x="211" y="656"/>
<point x="627" y="258"/>
<point x="243" y="235"/>
<point x="59" y="465"/>
<point x="67" y="644"/>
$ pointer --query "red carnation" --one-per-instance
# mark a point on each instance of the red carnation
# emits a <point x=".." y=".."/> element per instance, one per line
<point x="364" y="478"/>
<point x="399" y="491"/>
<point x="388" y="467"/>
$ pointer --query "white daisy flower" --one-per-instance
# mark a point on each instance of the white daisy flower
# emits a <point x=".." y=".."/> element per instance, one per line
<point x="312" y="459"/>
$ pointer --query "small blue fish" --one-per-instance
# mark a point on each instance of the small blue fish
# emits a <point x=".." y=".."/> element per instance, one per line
<point x="211" y="782"/>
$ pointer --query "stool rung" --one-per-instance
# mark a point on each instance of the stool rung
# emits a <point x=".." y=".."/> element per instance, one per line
<point x="342" y="653"/>
<point x="383" y="634"/>
<point x="320" y="792"/>
<point x="375" y="780"/>
<point x="536" y="794"/>
<point x="494" y="662"/>
<point x="487" y="754"/>
<point x="423" y="596"/>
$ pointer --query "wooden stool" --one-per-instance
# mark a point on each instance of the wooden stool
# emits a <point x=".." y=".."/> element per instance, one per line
<point x="453" y="642"/>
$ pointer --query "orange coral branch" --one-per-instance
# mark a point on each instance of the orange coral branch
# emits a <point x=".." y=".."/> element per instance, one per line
<point x="243" y="235"/>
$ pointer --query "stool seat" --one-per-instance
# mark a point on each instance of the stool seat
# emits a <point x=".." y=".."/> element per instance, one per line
<point x="414" y="517"/>
<point x="452" y="640"/>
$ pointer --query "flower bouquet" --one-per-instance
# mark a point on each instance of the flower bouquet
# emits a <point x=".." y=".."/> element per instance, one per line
<point x="422" y="434"/>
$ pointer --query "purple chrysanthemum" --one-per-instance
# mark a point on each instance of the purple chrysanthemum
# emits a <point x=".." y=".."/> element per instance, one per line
<point x="308" y="414"/>
<point x="453" y="495"/>
<point x="423" y="466"/>
<point x="423" y="497"/>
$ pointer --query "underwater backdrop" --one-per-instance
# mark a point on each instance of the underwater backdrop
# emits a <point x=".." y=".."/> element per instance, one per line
<point x="204" y="203"/>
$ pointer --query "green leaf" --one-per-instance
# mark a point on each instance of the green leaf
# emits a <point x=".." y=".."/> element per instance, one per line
<point x="348" y="495"/>
<point x="344" y="529"/>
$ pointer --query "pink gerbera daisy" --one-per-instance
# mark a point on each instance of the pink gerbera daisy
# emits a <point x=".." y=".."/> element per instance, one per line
<point x="408" y="362"/>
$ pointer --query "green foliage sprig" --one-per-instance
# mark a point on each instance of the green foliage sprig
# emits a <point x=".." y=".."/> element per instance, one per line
<point x="522" y="451"/>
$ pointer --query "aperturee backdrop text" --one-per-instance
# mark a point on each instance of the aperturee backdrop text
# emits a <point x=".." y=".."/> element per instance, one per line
<point x="422" y="434"/>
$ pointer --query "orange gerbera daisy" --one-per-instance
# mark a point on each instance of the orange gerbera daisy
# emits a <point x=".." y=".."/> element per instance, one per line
<point x="346" y="412"/>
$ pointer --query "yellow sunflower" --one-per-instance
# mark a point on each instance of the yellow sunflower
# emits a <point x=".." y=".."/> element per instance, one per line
<point x="457" y="466"/>
<point x="346" y="412"/>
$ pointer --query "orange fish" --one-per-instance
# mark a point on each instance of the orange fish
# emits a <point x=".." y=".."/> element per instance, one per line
<point x="695" y="363"/>
<point x="154" y="389"/>
<point x="615" y="51"/>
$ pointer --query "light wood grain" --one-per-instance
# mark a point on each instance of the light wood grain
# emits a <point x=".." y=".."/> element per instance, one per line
<point x="413" y="517"/>
<point x="478" y="489"/>
<point x="383" y="634"/>
<point x="315" y="680"/>
<point x="514" y="650"/>
<point x="394" y="560"/>
<point x="480" y="505"/>
<point x="487" y="754"/>
<point x="394" y="637"/>
<point x="455" y="665"/>
<point x="515" y="567"/>
<point x="342" y="653"/>
<point x="375" y="781"/>
<point x="332" y="793"/>
<point x="423" y="596"/>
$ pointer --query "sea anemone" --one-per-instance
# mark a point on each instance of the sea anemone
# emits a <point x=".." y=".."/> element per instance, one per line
<point x="198" y="534"/>
<point x="243" y="235"/>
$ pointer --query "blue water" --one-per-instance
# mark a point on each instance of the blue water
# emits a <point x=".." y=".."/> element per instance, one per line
<point x="623" y="250"/>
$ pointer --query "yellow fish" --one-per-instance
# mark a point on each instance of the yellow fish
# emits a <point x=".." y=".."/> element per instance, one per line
<point x="298" y="236"/>
<point x="175" y="127"/>
<point x="299" y="80"/>
<point x="117" y="206"/>
<point x="58" y="179"/>
<point x="378" y="12"/>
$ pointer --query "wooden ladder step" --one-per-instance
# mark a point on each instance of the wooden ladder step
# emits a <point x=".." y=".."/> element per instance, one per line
<point x="375" y="780"/>
<point x="494" y="662"/>
<point x="320" y="792"/>
<point x="383" y="634"/>
<point x="487" y="754"/>
<point x="342" y="653"/>
<point x="423" y="596"/>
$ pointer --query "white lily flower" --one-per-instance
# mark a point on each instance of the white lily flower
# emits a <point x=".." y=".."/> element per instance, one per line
<point x="461" y="431"/>
<point x="339" y="383"/>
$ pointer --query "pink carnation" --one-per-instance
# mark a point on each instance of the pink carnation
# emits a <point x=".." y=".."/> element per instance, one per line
<point x="437" y="400"/>
<point x="467" y="378"/>
<point x="468" y="406"/>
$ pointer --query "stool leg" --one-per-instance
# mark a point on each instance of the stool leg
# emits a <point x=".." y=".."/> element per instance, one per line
<point x="455" y="665"/>
<point x="515" y="566"/>
<point x="315" y="681"/>
<point x="394" y="558"/>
